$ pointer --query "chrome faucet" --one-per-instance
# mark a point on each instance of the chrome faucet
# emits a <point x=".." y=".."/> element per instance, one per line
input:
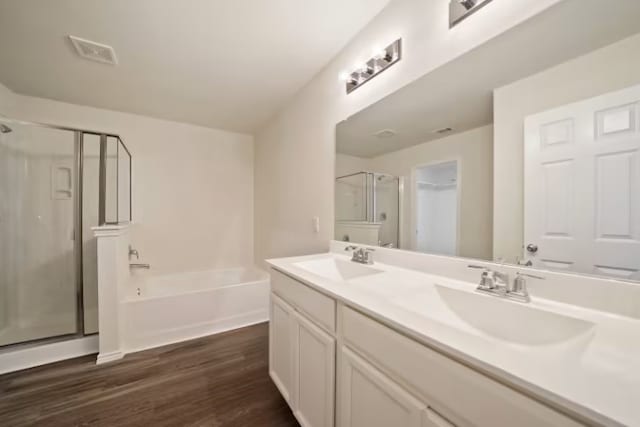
<point x="361" y="255"/>
<point x="496" y="283"/>
<point x="133" y="252"/>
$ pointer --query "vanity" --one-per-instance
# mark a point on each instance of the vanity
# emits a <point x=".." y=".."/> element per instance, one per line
<point x="497" y="199"/>
<point x="406" y="342"/>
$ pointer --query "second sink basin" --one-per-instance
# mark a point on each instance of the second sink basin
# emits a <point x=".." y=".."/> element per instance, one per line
<point x="336" y="269"/>
<point x="512" y="322"/>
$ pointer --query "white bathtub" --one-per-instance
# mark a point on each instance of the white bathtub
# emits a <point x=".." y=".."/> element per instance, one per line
<point x="168" y="309"/>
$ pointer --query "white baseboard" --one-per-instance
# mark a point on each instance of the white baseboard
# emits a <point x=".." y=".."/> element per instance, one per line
<point x="109" y="357"/>
<point x="42" y="354"/>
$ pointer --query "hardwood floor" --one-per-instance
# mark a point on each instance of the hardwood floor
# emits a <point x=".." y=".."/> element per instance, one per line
<point x="215" y="381"/>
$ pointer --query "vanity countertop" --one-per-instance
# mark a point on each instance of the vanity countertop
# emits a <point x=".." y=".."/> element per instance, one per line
<point x="589" y="365"/>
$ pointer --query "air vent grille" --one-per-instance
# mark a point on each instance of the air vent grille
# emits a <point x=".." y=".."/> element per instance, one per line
<point x="442" y="131"/>
<point x="94" y="51"/>
<point x="385" y="133"/>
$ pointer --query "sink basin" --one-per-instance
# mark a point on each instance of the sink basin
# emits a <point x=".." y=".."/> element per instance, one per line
<point x="336" y="269"/>
<point x="510" y="321"/>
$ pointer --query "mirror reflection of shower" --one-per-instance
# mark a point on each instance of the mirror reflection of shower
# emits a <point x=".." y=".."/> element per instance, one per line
<point x="368" y="208"/>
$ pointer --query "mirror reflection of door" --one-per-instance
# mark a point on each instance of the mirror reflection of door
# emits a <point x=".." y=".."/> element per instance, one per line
<point x="582" y="180"/>
<point x="436" y="208"/>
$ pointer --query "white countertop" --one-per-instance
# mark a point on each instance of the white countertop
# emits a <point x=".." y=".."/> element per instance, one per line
<point x="595" y="374"/>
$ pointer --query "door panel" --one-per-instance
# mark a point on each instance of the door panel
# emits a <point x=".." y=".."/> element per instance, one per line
<point x="280" y="346"/>
<point x="314" y="367"/>
<point x="582" y="186"/>
<point x="38" y="288"/>
<point x="370" y="399"/>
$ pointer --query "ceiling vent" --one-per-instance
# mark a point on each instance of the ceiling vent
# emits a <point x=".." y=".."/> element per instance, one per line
<point x="94" y="51"/>
<point x="385" y="134"/>
<point x="442" y="131"/>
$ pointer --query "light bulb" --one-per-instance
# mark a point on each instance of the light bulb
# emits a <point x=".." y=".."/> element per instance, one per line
<point x="344" y="76"/>
<point x="379" y="53"/>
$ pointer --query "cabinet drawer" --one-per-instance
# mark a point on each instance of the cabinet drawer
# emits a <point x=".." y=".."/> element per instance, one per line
<point x="315" y="305"/>
<point x="464" y="395"/>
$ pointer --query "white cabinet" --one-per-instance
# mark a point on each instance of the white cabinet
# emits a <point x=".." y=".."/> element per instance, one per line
<point x="314" y="374"/>
<point x="280" y="346"/>
<point x="369" y="399"/>
<point x="302" y="354"/>
<point x="382" y="378"/>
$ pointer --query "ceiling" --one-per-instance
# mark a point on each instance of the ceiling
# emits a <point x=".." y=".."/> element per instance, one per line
<point x="459" y="94"/>
<point x="228" y="64"/>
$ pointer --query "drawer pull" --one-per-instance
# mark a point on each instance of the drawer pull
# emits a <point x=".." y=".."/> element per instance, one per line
<point x="437" y="419"/>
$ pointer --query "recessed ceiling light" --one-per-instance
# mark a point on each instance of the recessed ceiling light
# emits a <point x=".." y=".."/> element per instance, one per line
<point x="94" y="51"/>
<point x="385" y="133"/>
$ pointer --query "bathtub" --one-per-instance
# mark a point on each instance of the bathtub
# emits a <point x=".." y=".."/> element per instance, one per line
<point x="166" y="309"/>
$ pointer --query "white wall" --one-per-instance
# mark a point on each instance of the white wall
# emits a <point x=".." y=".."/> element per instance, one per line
<point x="192" y="186"/>
<point x="474" y="152"/>
<point x="295" y="151"/>
<point x="608" y="69"/>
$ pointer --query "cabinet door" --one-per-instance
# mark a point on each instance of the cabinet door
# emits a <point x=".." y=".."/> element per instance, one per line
<point x="370" y="399"/>
<point x="314" y="373"/>
<point x="281" y="346"/>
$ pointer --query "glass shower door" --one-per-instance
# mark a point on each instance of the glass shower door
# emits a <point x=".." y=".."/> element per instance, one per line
<point x="387" y="203"/>
<point x="38" y="283"/>
<point x="351" y="201"/>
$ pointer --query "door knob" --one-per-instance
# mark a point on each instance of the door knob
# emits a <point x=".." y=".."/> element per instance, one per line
<point x="531" y="248"/>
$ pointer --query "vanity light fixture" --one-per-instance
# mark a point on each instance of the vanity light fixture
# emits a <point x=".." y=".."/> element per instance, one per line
<point x="380" y="61"/>
<point x="462" y="9"/>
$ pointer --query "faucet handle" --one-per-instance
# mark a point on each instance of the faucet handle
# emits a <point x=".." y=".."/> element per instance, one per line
<point x="487" y="279"/>
<point x="519" y="286"/>
<point x="520" y="283"/>
<point x="533" y="276"/>
<point x="133" y="252"/>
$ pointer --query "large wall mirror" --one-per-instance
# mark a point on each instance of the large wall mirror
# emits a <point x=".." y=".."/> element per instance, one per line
<point x="525" y="150"/>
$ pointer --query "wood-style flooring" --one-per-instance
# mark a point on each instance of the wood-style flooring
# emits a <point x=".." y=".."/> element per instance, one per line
<point x="220" y="380"/>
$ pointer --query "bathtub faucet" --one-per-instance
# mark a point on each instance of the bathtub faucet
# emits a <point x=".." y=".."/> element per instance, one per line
<point x="133" y="252"/>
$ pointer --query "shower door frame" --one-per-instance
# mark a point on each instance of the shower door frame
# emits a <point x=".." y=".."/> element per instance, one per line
<point x="371" y="198"/>
<point x="78" y="144"/>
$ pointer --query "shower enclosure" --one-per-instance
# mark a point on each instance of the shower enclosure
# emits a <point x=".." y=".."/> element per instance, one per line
<point x="368" y="208"/>
<point x="55" y="184"/>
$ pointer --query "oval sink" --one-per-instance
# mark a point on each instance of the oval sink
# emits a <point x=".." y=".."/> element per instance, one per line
<point x="510" y="321"/>
<point x="336" y="269"/>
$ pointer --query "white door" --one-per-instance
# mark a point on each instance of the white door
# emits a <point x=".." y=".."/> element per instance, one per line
<point x="280" y="346"/>
<point x="314" y="374"/>
<point x="369" y="399"/>
<point x="582" y="186"/>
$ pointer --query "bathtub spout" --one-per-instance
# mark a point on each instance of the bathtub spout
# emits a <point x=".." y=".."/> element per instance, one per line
<point x="144" y="266"/>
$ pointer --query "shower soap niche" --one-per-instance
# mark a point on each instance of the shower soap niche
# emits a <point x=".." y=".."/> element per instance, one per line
<point x="61" y="182"/>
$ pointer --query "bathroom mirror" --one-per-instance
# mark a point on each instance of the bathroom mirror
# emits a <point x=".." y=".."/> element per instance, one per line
<point x="525" y="150"/>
